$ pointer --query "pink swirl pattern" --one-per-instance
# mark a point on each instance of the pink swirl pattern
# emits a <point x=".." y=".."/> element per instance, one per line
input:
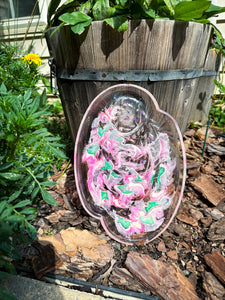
<point x="129" y="169"/>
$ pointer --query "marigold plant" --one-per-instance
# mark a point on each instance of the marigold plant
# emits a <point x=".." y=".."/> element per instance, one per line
<point x="31" y="58"/>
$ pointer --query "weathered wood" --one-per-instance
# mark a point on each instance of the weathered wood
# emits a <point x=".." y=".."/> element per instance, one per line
<point x="205" y="89"/>
<point x="147" y="45"/>
<point x="166" y="281"/>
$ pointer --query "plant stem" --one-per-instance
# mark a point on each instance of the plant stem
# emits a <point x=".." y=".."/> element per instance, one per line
<point x="63" y="171"/>
<point x="206" y="133"/>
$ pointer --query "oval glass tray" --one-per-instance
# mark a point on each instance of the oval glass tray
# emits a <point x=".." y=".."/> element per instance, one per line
<point x="130" y="164"/>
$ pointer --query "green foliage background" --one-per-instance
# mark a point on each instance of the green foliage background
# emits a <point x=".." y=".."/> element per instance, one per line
<point x="28" y="152"/>
<point x="116" y="13"/>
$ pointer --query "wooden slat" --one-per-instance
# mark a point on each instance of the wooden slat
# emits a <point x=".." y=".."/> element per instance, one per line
<point x="205" y="89"/>
<point x="147" y="45"/>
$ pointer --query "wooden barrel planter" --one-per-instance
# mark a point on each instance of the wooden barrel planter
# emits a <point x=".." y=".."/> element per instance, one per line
<point x="206" y="87"/>
<point x="165" y="57"/>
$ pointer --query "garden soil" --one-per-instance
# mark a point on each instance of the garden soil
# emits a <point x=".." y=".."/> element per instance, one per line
<point x="186" y="262"/>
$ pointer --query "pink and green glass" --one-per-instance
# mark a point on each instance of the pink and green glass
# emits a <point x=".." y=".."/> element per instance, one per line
<point x="130" y="164"/>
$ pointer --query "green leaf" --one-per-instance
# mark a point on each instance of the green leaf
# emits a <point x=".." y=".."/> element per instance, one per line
<point x="43" y="175"/>
<point x="79" y="28"/>
<point x="86" y="7"/>
<point x="190" y="10"/>
<point x="28" y="211"/>
<point x="121" y="2"/>
<point x="22" y="203"/>
<point x="3" y="89"/>
<point x="15" y="195"/>
<point x="35" y="192"/>
<point x="6" y="166"/>
<point x="3" y="205"/>
<point x="34" y="107"/>
<point x="31" y="230"/>
<point x="27" y="94"/>
<point x="119" y="23"/>
<point x="14" y="218"/>
<point x="213" y="10"/>
<point x="58" y="153"/>
<point x="11" y="176"/>
<point x="170" y="6"/>
<point x="102" y="10"/>
<point x="48" y="183"/>
<point x="53" y="5"/>
<point x="31" y="161"/>
<point x="75" y="18"/>
<point x="48" y="198"/>
<point x="31" y="217"/>
<point x="7" y="212"/>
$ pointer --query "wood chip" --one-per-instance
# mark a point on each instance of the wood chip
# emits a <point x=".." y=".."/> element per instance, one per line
<point x="216" y="231"/>
<point x="209" y="189"/>
<point x="161" y="246"/>
<point x="184" y="216"/>
<point x="47" y="261"/>
<point x="216" y="262"/>
<point x="213" y="287"/>
<point x="218" y="150"/>
<point x="165" y="280"/>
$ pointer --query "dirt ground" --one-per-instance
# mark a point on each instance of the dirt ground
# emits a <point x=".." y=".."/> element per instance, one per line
<point x="192" y="248"/>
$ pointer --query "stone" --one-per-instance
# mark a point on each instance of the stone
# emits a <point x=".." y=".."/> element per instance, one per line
<point x="23" y="288"/>
<point x="217" y="230"/>
<point x="216" y="261"/>
<point x="211" y="190"/>
<point x="164" y="280"/>
<point x="213" y="288"/>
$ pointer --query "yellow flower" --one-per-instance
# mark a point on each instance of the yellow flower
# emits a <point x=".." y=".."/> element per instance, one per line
<point x="32" y="58"/>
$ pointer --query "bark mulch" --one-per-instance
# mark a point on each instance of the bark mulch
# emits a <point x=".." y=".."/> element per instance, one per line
<point x="186" y="262"/>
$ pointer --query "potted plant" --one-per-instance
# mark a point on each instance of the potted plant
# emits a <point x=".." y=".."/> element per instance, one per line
<point x="161" y="45"/>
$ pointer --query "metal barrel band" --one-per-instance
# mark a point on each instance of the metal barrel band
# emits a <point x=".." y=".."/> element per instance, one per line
<point x="124" y="76"/>
<point x="133" y="75"/>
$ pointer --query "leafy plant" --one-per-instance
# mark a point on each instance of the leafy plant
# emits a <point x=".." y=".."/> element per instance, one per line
<point x="116" y="13"/>
<point x="16" y="73"/>
<point x="217" y="111"/>
<point x="28" y="152"/>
